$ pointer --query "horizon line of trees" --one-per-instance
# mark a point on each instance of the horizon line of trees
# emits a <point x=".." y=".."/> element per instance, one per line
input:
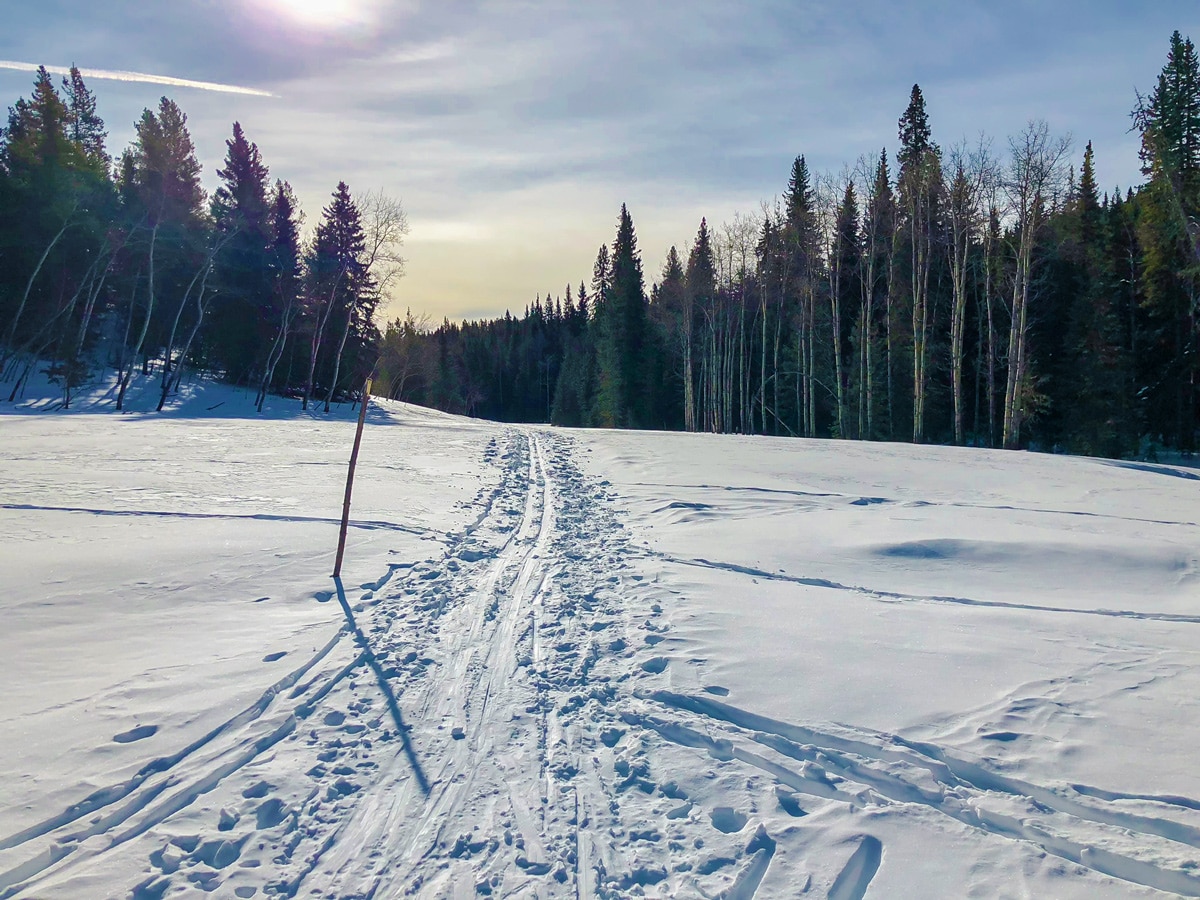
<point x="115" y="266"/>
<point x="966" y="296"/>
<point x="962" y="295"/>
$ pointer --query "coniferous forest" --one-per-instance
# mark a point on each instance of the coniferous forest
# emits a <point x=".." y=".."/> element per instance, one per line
<point x="987" y="293"/>
<point x="125" y="265"/>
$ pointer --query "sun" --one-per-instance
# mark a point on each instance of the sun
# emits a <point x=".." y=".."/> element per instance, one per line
<point x="324" y="15"/>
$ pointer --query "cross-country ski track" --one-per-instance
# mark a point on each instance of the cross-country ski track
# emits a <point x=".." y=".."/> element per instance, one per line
<point x="539" y="707"/>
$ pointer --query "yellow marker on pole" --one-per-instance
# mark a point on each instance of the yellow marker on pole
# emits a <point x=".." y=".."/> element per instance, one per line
<point x="362" y="417"/>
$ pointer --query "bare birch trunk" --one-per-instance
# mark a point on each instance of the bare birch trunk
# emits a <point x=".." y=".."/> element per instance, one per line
<point x="145" y="324"/>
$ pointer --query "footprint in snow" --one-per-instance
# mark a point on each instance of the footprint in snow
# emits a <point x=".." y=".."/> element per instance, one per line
<point x="728" y="820"/>
<point x="140" y="733"/>
<point x="257" y="791"/>
<point x="788" y="803"/>
<point x="270" y="813"/>
<point x="1004" y="737"/>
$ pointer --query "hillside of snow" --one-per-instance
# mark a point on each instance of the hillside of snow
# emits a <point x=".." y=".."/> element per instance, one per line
<point x="585" y="664"/>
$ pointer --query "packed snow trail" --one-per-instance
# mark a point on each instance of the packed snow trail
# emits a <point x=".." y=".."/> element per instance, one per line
<point x="463" y="739"/>
<point x="517" y="715"/>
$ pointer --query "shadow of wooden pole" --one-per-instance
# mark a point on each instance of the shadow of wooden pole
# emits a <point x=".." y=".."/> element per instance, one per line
<point x="368" y="656"/>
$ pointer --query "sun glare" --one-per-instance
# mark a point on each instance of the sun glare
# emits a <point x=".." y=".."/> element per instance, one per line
<point x="319" y="15"/>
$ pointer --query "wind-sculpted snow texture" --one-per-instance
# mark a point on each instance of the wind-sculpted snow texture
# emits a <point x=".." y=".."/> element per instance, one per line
<point x="591" y="665"/>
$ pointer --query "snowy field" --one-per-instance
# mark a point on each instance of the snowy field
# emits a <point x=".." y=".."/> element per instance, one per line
<point x="586" y="664"/>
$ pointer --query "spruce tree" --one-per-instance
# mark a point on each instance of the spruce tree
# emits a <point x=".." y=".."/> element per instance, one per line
<point x="165" y="212"/>
<point x="1169" y="121"/>
<point x="341" y="295"/>
<point x="801" y="275"/>
<point x="917" y="186"/>
<point x="1097" y="412"/>
<point x="84" y="125"/>
<point x="700" y="293"/>
<point x="166" y="170"/>
<point x="878" y="232"/>
<point x="284" y="272"/>
<point x="56" y="205"/>
<point x="247" y="316"/>
<point x="621" y="400"/>
<point x="671" y="309"/>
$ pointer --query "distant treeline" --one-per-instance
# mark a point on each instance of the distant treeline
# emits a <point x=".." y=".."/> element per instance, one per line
<point x="959" y="295"/>
<point x="963" y="294"/>
<point x="114" y="266"/>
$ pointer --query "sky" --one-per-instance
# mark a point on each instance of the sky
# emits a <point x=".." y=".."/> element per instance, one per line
<point x="513" y="131"/>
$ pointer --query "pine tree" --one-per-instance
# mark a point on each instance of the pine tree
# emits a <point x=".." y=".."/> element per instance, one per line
<point x="1088" y="210"/>
<point x="165" y="210"/>
<point x="917" y="184"/>
<point x="1169" y="121"/>
<point x="1097" y="412"/>
<point x="285" y="270"/>
<point x="700" y="295"/>
<point x="247" y="317"/>
<point x="601" y="276"/>
<point x="36" y="143"/>
<point x="621" y="400"/>
<point x="879" y="220"/>
<point x="55" y="205"/>
<point x="84" y="125"/>
<point x="802" y="275"/>
<point x="672" y="310"/>
<point x="39" y="162"/>
<point x="166" y="171"/>
<point x="340" y="291"/>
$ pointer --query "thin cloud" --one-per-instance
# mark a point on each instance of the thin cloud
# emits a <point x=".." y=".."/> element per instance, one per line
<point x="116" y="75"/>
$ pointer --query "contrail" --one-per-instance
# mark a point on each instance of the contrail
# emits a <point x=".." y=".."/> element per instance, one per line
<point x="112" y="75"/>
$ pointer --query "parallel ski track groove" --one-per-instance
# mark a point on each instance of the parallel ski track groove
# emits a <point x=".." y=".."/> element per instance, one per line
<point x="858" y="760"/>
<point x="155" y="777"/>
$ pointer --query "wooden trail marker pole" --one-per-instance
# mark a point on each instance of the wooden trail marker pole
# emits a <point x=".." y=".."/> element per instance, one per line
<point x="362" y="417"/>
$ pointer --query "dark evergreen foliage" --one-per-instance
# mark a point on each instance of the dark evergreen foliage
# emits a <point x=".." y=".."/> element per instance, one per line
<point x="871" y="306"/>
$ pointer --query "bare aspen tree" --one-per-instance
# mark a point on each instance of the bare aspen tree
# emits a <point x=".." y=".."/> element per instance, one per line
<point x="735" y="243"/>
<point x="385" y="225"/>
<point x="200" y="278"/>
<point x="840" y="204"/>
<point x="878" y="223"/>
<point x="919" y="186"/>
<point x="1035" y="173"/>
<point x="991" y="277"/>
<point x="744" y="234"/>
<point x="286" y="253"/>
<point x="150" y="294"/>
<point x="687" y="335"/>
<point x="68" y="221"/>
<point x="324" y="308"/>
<point x="863" y="173"/>
<point x="967" y="175"/>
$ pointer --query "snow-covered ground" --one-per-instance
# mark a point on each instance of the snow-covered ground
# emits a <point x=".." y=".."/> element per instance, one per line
<point x="586" y="664"/>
